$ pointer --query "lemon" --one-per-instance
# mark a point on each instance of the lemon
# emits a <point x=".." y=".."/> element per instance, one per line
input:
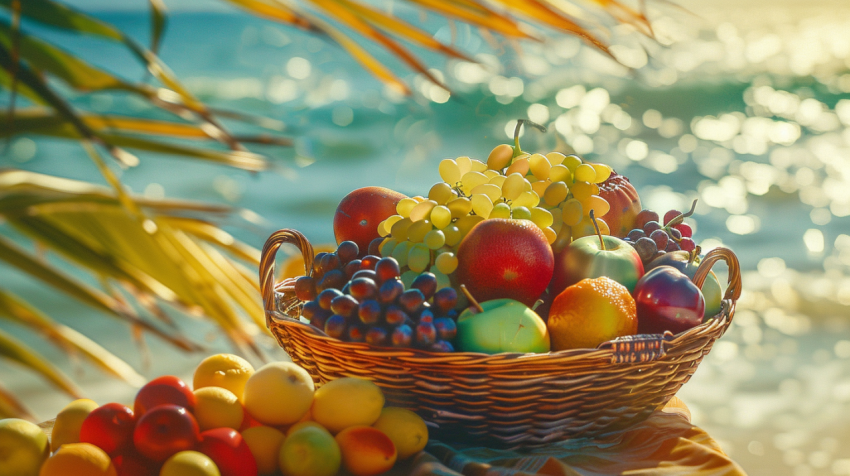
<point x="279" y="393"/>
<point x="189" y="463"/>
<point x="347" y="402"/>
<point x="310" y="451"/>
<point x="264" y="443"/>
<point x="23" y="447"/>
<point x="78" y="459"/>
<point x="69" y="421"/>
<point x="216" y="407"/>
<point x="406" y="429"/>
<point x="223" y="370"/>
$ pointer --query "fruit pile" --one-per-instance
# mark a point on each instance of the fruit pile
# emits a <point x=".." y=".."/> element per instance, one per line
<point x="488" y="259"/>
<point x="236" y="422"/>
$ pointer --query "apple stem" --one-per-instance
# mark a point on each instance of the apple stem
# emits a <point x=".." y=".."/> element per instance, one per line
<point x="598" y="233"/>
<point x="693" y="254"/>
<point x="519" y="123"/>
<point x="471" y="299"/>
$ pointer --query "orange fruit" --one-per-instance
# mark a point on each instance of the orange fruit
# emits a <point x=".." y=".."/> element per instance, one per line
<point x="590" y="312"/>
<point x="78" y="459"/>
<point x="358" y="215"/>
<point x="503" y="258"/>
<point x="366" y="451"/>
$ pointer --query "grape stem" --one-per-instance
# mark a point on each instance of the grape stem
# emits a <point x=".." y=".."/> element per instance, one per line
<point x="693" y="255"/>
<point x="678" y="219"/>
<point x="519" y="123"/>
<point x="471" y="299"/>
<point x="598" y="233"/>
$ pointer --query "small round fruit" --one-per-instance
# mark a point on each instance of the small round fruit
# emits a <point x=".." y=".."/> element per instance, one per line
<point x="445" y="299"/>
<point x="264" y="443"/>
<point x="360" y="212"/>
<point x="163" y="390"/>
<point x="406" y="429"/>
<point x="327" y="296"/>
<point x="76" y="459"/>
<point x="390" y="291"/>
<point x="189" y="463"/>
<point x="217" y="407"/>
<point x="228" y="450"/>
<point x="132" y="463"/>
<point x="23" y="447"/>
<point x="346" y="402"/>
<point x="70" y="419"/>
<point x="223" y="370"/>
<point x="109" y="427"/>
<point x="366" y="451"/>
<point x="426" y="283"/>
<point x="347" y="251"/>
<point x="310" y="451"/>
<point x="165" y="430"/>
<point x="387" y="269"/>
<point x="274" y="383"/>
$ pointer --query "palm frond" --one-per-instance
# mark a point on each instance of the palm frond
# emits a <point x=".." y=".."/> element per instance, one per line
<point x="11" y="407"/>
<point x="13" y="350"/>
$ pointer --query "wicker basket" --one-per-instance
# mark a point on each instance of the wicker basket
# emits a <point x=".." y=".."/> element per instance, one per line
<point x="510" y="399"/>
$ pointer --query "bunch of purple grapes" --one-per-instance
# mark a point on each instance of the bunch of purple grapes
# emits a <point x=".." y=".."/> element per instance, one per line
<point x="364" y="300"/>
<point x="651" y="238"/>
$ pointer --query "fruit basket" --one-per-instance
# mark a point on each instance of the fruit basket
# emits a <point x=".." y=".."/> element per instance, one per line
<point x="509" y="399"/>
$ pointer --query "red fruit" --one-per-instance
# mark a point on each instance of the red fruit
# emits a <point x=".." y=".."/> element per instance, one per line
<point x="229" y="452"/>
<point x="624" y="202"/>
<point x="644" y="217"/>
<point x="132" y="463"/>
<point x="358" y="215"/>
<point x="164" y="431"/>
<point x="109" y="427"/>
<point x="671" y="215"/>
<point x="685" y="230"/>
<point x="667" y="300"/>
<point x="163" y="391"/>
<point x="502" y="258"/>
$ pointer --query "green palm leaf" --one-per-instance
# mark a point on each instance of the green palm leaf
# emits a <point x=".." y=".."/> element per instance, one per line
<point x="11" y="349"/>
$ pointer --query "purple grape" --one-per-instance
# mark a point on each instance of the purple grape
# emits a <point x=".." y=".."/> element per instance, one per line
<point x="351" y="267"/>
<point x="390" y="291"/>
<point x="660" y="238"/>
<point x="402" y="336"/>
<point x="426" y="334"/>
<point x="344" y="305"/>
<point x="347" y="251"/>
<point x="335" y="326"/>
<point x="310" y="309"/>
<point x="445" y="300"/>
<point x="318" y="321"/>
<point x="387" y="269"/>
<point x="672" y="246"/>
<point x="446" y="328"/>
<point x="369" y="311"/>
<point x="427" y="283"/>
<point x="671" y="215"/>
<point x="365" y="273"/>
<point x="376" y="336"/>
<point x="650" y="227"/>
<point x="334" y="278"/>
<point x="675" y="234"/>
<point x="356" y="333"/>
<point x="305" y="288"/>
<point x="395" y="315"/>
<point x="646" y="249"/>
<point x="331" y="262"/>
<point x="369" y="262"/>
<point x="326" y="296"/>
<point x="644" y="217"/>
<point x="441" y="346"/>
<point x="411" y="300"/>
<point x="363" y="288"/>
<point x="636" y="234"/>
<point x="375" y="246"/>
<point x="317" y="265"/>
<point x="426" y="316"/>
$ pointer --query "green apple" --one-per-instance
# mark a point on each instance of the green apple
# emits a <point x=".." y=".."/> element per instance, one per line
<point x="504" y="325"/>
<point x="23" y="447"/>
<point x="593" y="257"/>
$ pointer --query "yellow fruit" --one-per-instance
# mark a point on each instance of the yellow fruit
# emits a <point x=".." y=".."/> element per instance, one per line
<point x="78" y="459"/>
<point x="279" y="393"/>
<point x="347" y="402"/>
<point x="310" y="451"/>
<point x="68" y="422"/>
<point x="264" y="443"/>
<point x="223" y="370"/>
<point x="500" y="157"/>
<point x="23" y="447"/>
<point x="303" y="424"/>
<point x="189" y="463"/>
<point x="366" y="451"/>
<point x="406" y="429"/>
<point x="216" y="407"/>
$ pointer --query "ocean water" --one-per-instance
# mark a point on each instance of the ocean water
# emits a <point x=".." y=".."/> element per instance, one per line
<point x="744" y="107"/>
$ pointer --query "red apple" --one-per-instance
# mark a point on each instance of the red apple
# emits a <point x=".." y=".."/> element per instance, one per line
<point x="132" y="463"/>
<point x="667" y="300"/>
<point x="109" y="427"/>
<point x="164" y="431"/>
<point x="229" y="452"/>
<point x="360" y="212"/>
<point x="163" y="391"/>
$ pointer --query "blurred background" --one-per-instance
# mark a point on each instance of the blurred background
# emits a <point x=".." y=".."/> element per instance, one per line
<point x="743" y="105"/>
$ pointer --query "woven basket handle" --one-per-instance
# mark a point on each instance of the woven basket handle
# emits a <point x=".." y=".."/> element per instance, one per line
<point x="733" y="290"/>
<point x="280" y="237"/>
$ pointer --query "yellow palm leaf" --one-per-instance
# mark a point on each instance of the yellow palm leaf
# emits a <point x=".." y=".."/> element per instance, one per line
<point x="11" y="349"/>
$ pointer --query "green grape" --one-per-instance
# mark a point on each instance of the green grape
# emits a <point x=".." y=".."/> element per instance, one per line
<point x="471" y="180"/>
<point x="555" y="158"/>
<point x="585" y="228"/>
<point x="513" y="186"/>
<point x="571" y="212"/>
<point x="441" y="217"/>
<point x="434" y="239"/>
<point x="460" y="207"/>
<point x="541" y="217"/>
<point x="490" y="190"/>
<point x="585" y="173"/>
<point x="407" y="278"/>
<point x="464" y="164"/>
<point x="382" y="229"/>
<point x="520" y="213"/>
<point x="404" y="206"/>
<point x="539" y="187"/>
<point x="482" y="205"/>
<point x="557" y="219"/>
<point x="387" y="246"/>
<point x="422" y="210"/>
<point x="477" y="165"/>
<point x="599" y="205"/>
<point x="443" y="281"/>
<point x="386" y="225"/>
<point x="417" y="231"/>
<point x="446" y="263"/>
<point x="498" y="180"/>
<point x="400" y="252"/>
<point x="560" y="173"/>
<point x="602" y="172"/>
<point x="526" y="199"/>
<point x="418" y="258"/>
<point x="539" y="166"/>
<point x="399" y="229"/>
<point x="550" y="235"/>
<point x="555" y="193"/>
<point x="583" y="190"/>
<point x="466" y="223"/>
<point x="449" y="171"/>
<point x="520" y="166"/>
<point x="441" y="193"/>
<point x="572" y="162"/>
<point x="501" y="210"/>
<point x="452" y="234"/>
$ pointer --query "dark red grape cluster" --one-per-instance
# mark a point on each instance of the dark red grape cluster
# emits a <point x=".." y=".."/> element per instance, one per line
<point x="652" y="238"/>
<point x="364" y="300"/>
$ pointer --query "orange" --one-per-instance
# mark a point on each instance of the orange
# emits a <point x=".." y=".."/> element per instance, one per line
<point x="590" y="312"/>
<point x="78" y="459"/>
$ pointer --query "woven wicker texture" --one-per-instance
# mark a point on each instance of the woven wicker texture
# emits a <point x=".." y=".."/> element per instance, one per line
<point x="508" y="399"/>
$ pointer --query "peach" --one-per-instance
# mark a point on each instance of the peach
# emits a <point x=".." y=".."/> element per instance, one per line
<point x="366" y="451"/>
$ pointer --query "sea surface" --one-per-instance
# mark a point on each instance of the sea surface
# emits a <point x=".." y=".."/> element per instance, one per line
<point x="743" y="106"/>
